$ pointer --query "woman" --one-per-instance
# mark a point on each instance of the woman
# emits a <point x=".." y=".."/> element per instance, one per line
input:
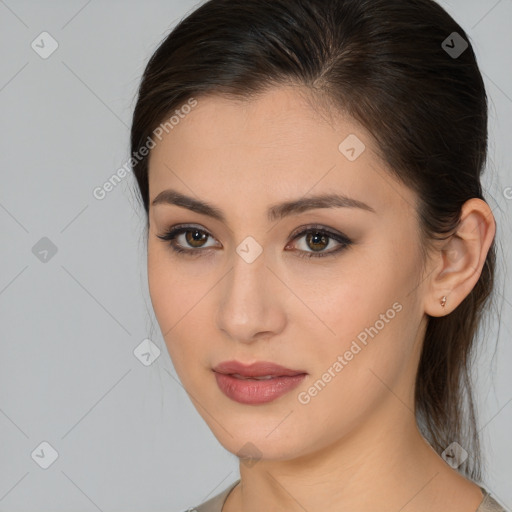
<point x="319" y="248"/>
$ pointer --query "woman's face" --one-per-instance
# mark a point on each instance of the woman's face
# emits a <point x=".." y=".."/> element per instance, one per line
<point x="350" y="317"/>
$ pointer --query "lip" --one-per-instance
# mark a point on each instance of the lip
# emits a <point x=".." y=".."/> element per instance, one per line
<point x="236" y="381"/>
<point x="257" y="369"/>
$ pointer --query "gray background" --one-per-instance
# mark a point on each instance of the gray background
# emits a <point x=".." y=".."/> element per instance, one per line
<point x="126" y="434"/>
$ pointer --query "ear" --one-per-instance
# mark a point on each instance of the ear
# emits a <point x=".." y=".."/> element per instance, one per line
<point x="457" y="265"/>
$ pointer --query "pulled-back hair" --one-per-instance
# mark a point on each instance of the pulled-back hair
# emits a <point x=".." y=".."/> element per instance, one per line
<point x="382" y="62"/>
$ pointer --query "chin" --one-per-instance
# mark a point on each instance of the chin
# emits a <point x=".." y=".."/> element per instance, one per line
<point x="258" y="445"/>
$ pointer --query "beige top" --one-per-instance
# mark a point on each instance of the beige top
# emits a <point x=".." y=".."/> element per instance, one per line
<point x="215" y="504"/>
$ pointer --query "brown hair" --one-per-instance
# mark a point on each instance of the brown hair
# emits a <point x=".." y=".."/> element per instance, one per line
<point x="383" y="63"/>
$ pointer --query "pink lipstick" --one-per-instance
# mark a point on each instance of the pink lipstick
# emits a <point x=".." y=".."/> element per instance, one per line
<point x="257" y="383"/>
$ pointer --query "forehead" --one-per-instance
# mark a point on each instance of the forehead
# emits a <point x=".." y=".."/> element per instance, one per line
<point x="273" y="147"/>
<point x="284" y="117"/>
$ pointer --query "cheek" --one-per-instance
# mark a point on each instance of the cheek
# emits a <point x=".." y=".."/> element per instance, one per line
<point x="162" y="287"/>
<point x="353" y="372"/>
<point x="172" y="286"/>
<point x="367" y="322"/>
<point x="168" y="292"/>
<point x="177" y="300"/>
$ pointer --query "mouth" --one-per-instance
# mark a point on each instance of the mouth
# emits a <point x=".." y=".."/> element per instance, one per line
<point x="259" y="370"/>
<point x="257" y="383"/>
<point x="263" y="377"/>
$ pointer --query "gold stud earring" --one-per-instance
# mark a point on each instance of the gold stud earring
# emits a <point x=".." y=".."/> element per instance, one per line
<point x="443" y="301"/>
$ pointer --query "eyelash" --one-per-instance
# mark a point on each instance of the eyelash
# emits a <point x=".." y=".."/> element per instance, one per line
<point x="345" y="242"/>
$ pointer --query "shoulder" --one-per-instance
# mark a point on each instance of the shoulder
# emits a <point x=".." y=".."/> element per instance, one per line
<point x="215" y="503"/>
<point x="489" y="504"/>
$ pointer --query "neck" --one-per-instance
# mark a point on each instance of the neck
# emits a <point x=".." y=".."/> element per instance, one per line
<point x="383" y="465"/>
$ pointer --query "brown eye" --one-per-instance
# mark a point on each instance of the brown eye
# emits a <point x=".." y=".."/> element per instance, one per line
<point x="195" y="237"/>
<point x="190" y="241"/>
<point x="317" y="241"/>
<point x="187" y="240"/>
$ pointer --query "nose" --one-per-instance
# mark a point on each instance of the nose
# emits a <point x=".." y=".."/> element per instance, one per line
<point x="251" y="303"/>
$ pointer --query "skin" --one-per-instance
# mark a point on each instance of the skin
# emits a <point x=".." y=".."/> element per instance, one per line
<point x="355" y="445"/>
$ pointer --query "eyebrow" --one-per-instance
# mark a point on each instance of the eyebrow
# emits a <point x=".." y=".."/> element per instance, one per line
<point x="275" y="212"/>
